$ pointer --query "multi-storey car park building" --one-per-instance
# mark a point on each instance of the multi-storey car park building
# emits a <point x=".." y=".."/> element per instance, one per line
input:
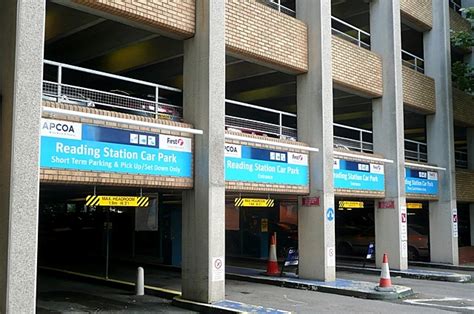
<point x="339" y="116"/>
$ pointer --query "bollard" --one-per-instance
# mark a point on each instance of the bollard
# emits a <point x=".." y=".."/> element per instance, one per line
<point x="140" y="284"/>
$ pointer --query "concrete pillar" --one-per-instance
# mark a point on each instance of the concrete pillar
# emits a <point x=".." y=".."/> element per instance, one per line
<point x="203" y="207"/>
<point x="440" y="136"/>
<point x="471" y="215"/>
<point x="316" y="238"/>
<point x="21" y="68"/>
<point x="388" y="128"/>
<point x="470" y="165"/>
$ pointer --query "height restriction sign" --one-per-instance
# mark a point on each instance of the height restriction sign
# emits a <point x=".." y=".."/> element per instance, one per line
<point x="119" y="201"/>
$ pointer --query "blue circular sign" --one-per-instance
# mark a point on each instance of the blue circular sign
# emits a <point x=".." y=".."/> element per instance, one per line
<point x="330" y="214"/>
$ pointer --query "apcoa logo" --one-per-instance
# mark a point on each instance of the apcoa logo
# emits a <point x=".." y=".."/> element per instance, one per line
<point x="231" y="150"/>
<point x="58" y="127"/>
<point x="62" y="129"/>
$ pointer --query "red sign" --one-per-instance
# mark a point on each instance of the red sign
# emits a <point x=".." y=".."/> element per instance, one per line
<point x="310" y="201"/>
<point x="404" y="217"/>
<point x="387" y="204"/>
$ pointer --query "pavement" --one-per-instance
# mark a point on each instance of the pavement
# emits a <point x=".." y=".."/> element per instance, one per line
<point x="165" y="283"/>
<point x="361" y="266"/>
<point x="414" y="273"/>
<point x="435" y="298"/>
<point x="78" y="292"/>
<point x="464" y="267"/>
<point x="354" y="288"/>
<point x="58" y="294"/>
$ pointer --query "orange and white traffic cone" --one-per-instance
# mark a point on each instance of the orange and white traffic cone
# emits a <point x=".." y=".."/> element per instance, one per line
<point x="272" y="265"/>
<point x="385" y="283"/>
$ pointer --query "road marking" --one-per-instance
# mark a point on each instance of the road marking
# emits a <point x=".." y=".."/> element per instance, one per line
<point x="291" y="300"/>
<point x="426" y="303"/>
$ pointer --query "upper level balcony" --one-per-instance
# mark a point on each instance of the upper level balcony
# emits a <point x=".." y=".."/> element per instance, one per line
<point x="85" y="87"/>
<point x="95" y="89"/>
<point x="461" y="159"/>
<point x="456" y="6"/>
<point x="361" y="38"/>
<point x="285" y="6"/>
<point x="361" y="140"/>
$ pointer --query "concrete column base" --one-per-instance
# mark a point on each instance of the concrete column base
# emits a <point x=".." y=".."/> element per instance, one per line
<point x="443" y="233"/>
<point x="391" y="234"/>
<point x="317" y="252"/>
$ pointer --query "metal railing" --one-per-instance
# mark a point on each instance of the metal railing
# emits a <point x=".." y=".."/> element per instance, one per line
<point x="352" y="138"/>
<point x="461" y="159"/>
<point x="413" y="62"/>
<point x="252" y="119"/>
<point x="350" y="33"/>
<point x="416" y="151"/>
<point x="361" y="140"/>
<point x="277" y="5"/>
<point x="456" y="7"/>
<point x="91" y="88"/>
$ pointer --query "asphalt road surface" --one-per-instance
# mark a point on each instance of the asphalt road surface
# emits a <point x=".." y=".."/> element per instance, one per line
<point x="431" y="297"/>
<point x="56" y="295"/>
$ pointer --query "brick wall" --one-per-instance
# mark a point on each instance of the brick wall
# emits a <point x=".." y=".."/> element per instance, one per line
<point x="418" y="91"/>
<point x="237" y="186"/>
<point x="359" y="193"/>
<point x="260" y="34"/>
<point x="174" y="18"/>
<point x="463" y="108"/>
<point x="48" y="175"/>
<point x="356" y="69"/>
<point x="465" y="185"/>
<point x="458" y="23"/>
<point x="417" y="13"/>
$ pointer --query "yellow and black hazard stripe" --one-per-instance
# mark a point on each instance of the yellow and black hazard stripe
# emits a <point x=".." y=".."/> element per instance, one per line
<point x="270" y="202"/>
<point x="242" y="202"/>
<point x="92" y="200"/>
<point x="143" y="201"/>
<point x="238" y="202"/>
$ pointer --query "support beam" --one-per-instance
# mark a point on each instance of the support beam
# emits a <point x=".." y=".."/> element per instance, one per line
<point x="388" y="128"/>
<point x="21" y="70"/>
<point x="316" y="237"/>
<point x="203" y="207"/>
<point x="440" y="137"/>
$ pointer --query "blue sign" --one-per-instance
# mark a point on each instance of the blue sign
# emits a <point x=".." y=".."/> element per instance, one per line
<point x="330" y="214"/>
<point x="77" y="146"/>
<point x="370" y="251"/>
<point x="292" y="258"/>
<point x="354" y="175"/>
<point x="421" y="182"/>
<point x="250" y="164"/>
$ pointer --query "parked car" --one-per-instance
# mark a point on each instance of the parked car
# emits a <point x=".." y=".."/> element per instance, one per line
<point x="358" y="242"/>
